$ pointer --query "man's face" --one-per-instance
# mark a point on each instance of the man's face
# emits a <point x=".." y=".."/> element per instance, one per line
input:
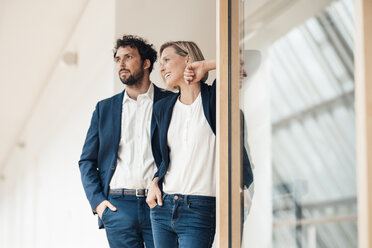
<point x="129" y="66"/>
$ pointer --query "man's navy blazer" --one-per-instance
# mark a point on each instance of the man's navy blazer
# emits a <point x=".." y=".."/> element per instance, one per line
<point x="163" y="113"/>
<point x="100" y="151"/>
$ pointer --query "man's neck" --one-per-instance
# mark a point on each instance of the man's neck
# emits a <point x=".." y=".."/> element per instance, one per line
<point x="134" y="91"/>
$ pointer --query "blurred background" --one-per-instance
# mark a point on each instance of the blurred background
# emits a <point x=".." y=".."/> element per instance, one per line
<point x="313" y="125"/>
<point x="56" y="62"/>
<point x="303" y="93"/>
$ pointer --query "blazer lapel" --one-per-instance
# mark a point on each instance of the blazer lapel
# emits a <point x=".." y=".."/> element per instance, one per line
<point x="157" y="96"/>
<point x="205" y="102"/>
<point x="165" y="122"/>
<point x="117" y="106"/>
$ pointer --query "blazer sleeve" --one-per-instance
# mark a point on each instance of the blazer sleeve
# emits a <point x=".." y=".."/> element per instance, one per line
<point x="88" y="164"/>
<point x="247" y="165"/>
<point x="212" y="105"/>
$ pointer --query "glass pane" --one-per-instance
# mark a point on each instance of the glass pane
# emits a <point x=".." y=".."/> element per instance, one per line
<point x="297" y="100"/>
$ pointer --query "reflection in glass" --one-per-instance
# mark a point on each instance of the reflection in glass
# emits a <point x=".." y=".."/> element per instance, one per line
<point x="308" y="70"/>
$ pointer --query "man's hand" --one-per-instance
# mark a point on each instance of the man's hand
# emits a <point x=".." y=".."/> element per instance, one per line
<point x="102" y="206"/>
<point x="195" y="71"/>
<point x="154" y="194"/>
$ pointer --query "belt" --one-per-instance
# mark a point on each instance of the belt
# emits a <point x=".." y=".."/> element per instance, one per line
<point x="136" y="192"/>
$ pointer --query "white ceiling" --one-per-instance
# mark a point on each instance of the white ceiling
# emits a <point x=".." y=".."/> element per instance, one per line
<point x="33" y="36"/>
<point x="267" y="20"/>
<point x="35" y="33"/>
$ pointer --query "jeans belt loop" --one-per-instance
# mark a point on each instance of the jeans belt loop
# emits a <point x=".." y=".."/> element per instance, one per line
<point x="187" y="201"/>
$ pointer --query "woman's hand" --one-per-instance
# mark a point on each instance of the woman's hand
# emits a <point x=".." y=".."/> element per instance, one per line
<point x="195" y="71"/>
<point x="154" y="194"/>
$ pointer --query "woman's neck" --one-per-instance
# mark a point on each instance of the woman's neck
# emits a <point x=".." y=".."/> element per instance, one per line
<point x="188" y="93"/>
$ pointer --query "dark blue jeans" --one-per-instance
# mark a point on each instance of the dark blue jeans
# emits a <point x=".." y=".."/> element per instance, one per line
<point x="130" y="225"/>
<point x="184" y="221"/>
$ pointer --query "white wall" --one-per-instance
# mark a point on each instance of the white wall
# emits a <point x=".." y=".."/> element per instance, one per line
<point x="169" y="20"/>
<point x="42" y="203"/>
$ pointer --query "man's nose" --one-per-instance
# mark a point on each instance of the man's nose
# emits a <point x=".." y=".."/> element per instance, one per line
<point x="122" y="64"/>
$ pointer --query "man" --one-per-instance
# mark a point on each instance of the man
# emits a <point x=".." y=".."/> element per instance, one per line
<point x="116" y="163"/>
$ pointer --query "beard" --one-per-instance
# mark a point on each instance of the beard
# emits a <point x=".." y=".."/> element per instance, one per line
<point x="134" y="79"/>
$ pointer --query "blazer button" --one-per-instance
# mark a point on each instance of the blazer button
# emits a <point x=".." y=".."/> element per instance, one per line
<point x="112" y="167"/>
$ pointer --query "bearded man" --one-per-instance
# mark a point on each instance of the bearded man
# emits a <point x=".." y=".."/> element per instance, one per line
<point x="116" y="163"/>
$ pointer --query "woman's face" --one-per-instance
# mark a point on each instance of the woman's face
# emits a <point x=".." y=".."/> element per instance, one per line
<point x="172" y="67"/>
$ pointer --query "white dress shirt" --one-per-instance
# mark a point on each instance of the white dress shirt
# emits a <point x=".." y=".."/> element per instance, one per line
<point x="192" y="146"/>
<point x="135" y="164"/>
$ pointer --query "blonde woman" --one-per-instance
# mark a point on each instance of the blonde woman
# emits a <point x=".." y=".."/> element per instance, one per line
<point x="182" y="194"/>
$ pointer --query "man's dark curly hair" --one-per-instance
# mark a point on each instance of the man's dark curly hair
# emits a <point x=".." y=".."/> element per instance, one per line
<point x="145" y="49"/>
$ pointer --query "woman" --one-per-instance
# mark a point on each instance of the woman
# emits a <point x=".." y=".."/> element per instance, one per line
<point x="182" y="194"/>
<point x="183" y="143"/>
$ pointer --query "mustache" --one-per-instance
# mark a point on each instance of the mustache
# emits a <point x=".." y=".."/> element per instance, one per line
<point x="123" y="69"/>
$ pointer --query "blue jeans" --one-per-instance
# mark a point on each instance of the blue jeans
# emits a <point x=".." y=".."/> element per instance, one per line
<point x="130" y="225"/>
<point x="184" y="221"/>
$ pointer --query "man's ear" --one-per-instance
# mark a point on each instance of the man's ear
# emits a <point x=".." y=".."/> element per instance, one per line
<point x="146" y="64"/>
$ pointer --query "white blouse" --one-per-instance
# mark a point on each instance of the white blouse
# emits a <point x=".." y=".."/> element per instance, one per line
<point x="192" y="146"/>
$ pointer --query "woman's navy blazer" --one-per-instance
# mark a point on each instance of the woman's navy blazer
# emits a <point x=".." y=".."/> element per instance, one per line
<point x="160" y="123"/>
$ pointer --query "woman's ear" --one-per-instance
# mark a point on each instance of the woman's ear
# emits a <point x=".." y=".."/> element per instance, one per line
<point x="188" y="60"/>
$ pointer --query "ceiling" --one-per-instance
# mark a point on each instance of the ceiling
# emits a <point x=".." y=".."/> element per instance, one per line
<point x="35" y="33"/>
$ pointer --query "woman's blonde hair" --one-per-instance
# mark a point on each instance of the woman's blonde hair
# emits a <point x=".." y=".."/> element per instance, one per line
<point x="184" y="48"/>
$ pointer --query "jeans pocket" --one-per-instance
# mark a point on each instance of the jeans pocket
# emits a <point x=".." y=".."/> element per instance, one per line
<point x="202" y="209"/>
<point x="153" y="208"/>
<point x="104" y="213"/>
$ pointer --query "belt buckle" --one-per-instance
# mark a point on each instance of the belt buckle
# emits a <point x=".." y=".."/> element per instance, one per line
<point x="140" y="195"/>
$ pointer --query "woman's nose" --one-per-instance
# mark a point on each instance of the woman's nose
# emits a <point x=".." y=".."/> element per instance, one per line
<point x="161" y="67"/>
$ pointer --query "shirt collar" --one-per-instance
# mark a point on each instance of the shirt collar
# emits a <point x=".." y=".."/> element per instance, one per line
<point x="149" y="95"/>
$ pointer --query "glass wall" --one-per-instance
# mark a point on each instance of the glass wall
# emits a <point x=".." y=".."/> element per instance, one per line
<point x="297" y="99"/>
